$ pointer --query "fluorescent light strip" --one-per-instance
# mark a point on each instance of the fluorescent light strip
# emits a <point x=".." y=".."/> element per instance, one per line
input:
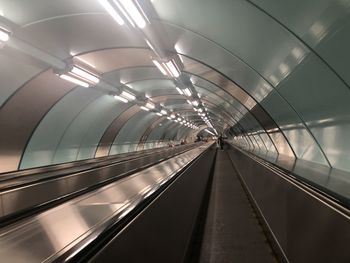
<point x="187" y="92"/>
<point x="189" y="102"/>
<point x="179" y="91"/>
<point x="133" y="12"/>
<point x="4" y="35"/>
<point x="128" y="95"/>
<point x="195" y="103"/>
<point x="172" y="69"/>
<point x="84" y="74"/>
<point x="74" y="80"/>
<point x="111" y="11"/>
<point x="150" y="105"/>
<point x="125" y="14"/>
<point x="121" y="98"/>
<point x="160" y="67"/>
<point x="168" y="118"/>
<point x="209" y="132"/>
<point x="159" y="114"/>
<point x="144" y="108"/>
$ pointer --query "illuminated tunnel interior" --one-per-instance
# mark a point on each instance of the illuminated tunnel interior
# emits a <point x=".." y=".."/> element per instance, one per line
<point x="80" y="81"/>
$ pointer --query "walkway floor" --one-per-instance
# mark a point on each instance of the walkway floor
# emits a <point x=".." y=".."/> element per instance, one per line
<point x="232" y="232"/>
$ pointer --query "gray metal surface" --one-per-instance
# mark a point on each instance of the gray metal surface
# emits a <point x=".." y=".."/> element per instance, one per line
<point x="162" y="232"/>
<point x="45" y="236"/>
<point x="306" y="226"/>
<point x="232" y="232"/>
<point x="30" y="191"/>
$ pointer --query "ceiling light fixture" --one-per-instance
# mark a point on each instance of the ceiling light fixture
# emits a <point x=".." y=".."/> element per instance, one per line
<point x="164" y="112"/>
<point x="195" y="103"/>
<point x="171" y="66"/>
<point x="150" y="105"/>
<point x="160" y="67"/>
<point x="74" y="80"/>
<point x="187" y="92"/>
<point x="179" y="91"/>
<point x="128" y="95"/>
<point x="133" y="12"/>
<point x="4" y="35"/>
<point x="84" y="74"/>
<point x="111" y="11"/>
<point x="144" y="108"/>
<point x="120" y="98"/>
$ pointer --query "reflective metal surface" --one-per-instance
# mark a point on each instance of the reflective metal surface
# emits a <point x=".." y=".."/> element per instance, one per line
<point x="60" y="228"/>
<point x="30" y="191"/>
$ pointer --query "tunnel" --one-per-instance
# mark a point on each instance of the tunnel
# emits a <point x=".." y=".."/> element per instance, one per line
<point x="174" y="131"/>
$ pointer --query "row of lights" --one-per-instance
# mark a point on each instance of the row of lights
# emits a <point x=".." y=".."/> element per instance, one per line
<point x="130" y="10"/>
<point x="182" y="121"/>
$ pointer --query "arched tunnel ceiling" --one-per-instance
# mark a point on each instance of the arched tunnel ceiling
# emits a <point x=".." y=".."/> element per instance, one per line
<point x="273" y="75"/>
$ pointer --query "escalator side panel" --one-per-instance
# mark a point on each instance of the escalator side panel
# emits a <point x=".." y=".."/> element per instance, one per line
<point x="306" y="228"/>
<point x="162" y="232"/>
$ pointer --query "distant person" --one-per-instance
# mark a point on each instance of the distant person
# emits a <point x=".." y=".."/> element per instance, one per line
<point x="221" y="142"/>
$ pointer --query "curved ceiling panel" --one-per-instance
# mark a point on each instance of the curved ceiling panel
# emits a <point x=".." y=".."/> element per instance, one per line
<point x="23" y="112"/>
<point x="278" y="84"/>
<point x="46" y="137"/>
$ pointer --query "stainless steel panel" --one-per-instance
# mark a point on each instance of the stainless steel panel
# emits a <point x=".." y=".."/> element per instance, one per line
<point x="19" y="199"/>
<point x="57" y="230"/>
<point x="159" y="234"/>
<point x="307" y="228"/>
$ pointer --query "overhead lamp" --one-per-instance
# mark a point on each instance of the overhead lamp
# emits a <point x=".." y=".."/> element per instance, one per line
<point x="195" y="103"/>
<point x="167" y="68"/>
<point x="128" y="95"/>
<point x="4" y="35"/>
<point x="120" y="98"/>
<point x="172" y="116"/>
<point x="179" y="119"/>
<point x="174" y="71"/>
<point x="159" y="114"/>
<point x="200" y="110"/>
<point x="84" y="74"/>
<point x="144" y="108"/>
<point x="150" y="105"/>
<point x="202" y="114"/>
<point x="160" y="67"/>
<point x="179" y="91"/>
<point x="209" y="132"/>
<point x="111" y="11"/>
<point x="164" y="112"/>
<point x="133" y="12"/>
<point x="187" y="92"/>
<point x="74" y="80"/>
